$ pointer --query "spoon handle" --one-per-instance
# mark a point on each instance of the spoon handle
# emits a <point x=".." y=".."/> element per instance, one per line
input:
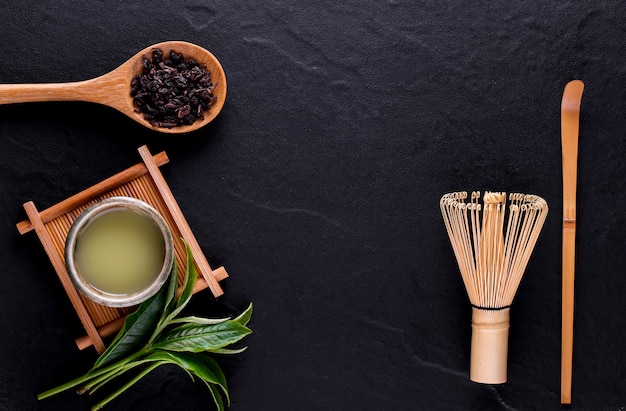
<point x="106" y="89"/>
<point x="31" y="93"/>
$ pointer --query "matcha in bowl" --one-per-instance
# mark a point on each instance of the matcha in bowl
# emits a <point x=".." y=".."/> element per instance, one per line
<point x="119" y="252"/>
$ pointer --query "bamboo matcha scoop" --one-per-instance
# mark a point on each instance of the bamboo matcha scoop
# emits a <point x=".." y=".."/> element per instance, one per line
<point x="570" y="118"/>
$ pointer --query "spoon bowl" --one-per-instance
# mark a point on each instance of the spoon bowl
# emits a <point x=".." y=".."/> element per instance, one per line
<point x="113" y="88"/>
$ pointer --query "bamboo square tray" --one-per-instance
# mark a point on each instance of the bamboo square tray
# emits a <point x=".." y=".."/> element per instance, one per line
<point x="143" y="181"/>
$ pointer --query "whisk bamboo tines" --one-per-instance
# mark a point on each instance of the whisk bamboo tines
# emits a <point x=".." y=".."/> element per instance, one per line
<point x="492" y="245"/>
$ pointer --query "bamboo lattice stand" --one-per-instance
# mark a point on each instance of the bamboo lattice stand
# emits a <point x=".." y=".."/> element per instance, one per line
<point x="145" y="182"/>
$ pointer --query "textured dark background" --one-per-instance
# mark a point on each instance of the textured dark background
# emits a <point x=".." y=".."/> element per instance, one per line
<point x="317" y="188"/>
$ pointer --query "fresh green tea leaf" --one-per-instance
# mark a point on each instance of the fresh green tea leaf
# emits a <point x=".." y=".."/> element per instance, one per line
<point x="170" y="299"/>
<point x="217" y="397"/>
<point x="198" y="338"/>
<point x="245" y="316"/>
<point x="198" y="320"/>
<point x="163" y="356"/>
<point x="191" y="275"/>
<point x="189" y="282"/>
<point x="137" y="329"/>
<point x="200" y="365"/>
<point x="229" y="351"/>
<point x="212" y="369"/>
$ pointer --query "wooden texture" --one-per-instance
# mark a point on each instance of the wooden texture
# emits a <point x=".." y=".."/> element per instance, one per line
<point x="493" y="245"/>
<point x="113" y="89"/>
<point x="490" y="345"/>
<point x="180" y="221"/>
<point x="570" y="119"/>
<point x="54" y="249"/>
<point x="53" y="224"/>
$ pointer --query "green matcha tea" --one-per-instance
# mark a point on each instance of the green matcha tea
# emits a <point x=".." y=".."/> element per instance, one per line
<point x="120" y="252"/>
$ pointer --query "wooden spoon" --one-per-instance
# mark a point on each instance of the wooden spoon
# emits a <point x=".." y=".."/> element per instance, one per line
<point x="113" y="89"/>
<point x="570" y="117"/>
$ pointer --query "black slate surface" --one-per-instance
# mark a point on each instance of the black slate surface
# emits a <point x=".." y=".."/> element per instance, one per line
<point x="317" y="187"/>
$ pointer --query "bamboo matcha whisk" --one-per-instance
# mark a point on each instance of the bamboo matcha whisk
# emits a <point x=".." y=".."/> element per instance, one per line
<point x="492" y="248"/>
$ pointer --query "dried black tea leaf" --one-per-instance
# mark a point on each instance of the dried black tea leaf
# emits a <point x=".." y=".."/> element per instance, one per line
<point x="173" y="91"/>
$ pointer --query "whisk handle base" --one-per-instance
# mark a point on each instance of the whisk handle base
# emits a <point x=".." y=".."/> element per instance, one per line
<point x="490" y="340"/>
